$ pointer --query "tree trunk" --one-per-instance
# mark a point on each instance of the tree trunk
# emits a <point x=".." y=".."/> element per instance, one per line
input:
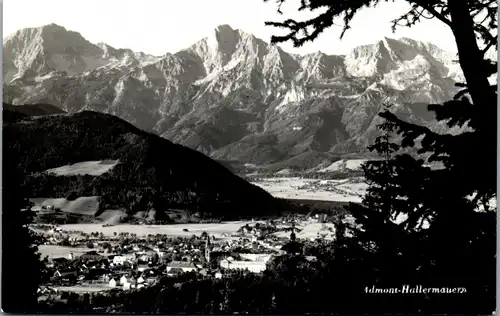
<point x="470" y="56"/>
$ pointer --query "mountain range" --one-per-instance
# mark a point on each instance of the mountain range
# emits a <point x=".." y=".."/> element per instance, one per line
<point x="233" y="96"/>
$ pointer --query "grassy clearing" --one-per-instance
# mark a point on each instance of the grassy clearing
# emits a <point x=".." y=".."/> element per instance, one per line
<point x="350" y="164"/>
<point x="86" y="205"/>
<point x="93" y="168"/>
<point x="112" y="217"/>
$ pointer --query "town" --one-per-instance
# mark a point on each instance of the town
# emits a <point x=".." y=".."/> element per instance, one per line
<point x="125" y="261"/>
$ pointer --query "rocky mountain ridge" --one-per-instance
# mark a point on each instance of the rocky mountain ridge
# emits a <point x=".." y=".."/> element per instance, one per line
<point x="231" y="95"/>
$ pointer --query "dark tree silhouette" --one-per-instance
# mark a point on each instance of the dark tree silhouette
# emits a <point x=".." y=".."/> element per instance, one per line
<point x="444" y="185"/>
<point x="21" y="264"/>
<point x="469" y="21"/>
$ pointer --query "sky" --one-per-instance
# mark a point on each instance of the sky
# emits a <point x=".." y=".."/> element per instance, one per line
<point x="160" y="26"/>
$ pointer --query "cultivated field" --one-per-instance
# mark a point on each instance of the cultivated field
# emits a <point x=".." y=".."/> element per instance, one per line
<point x="93" y="168"/>
<point x="345" y="190"/>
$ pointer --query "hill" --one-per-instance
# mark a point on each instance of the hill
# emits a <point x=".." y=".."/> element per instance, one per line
<point x="34" y="109"/>
<point x="134" y="170"/>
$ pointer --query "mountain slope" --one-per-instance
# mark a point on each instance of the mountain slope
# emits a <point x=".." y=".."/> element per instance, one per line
<point x="33" y="109"/>
<point x="232" y="95"/>
<point x="152" y="172"/>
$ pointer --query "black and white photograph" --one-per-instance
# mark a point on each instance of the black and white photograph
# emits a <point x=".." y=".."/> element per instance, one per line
<point x="249" y="157"/>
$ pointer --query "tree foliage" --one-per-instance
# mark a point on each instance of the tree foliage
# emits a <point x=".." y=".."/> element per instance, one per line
<point x="445" y="232"/>
<point x="21" y="263"/>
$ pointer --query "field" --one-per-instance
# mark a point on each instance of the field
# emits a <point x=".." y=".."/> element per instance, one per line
<point x="346" y="190"/>
<point x="53" y="251"/>
<point x="86" y="205"/>
<point x="83" y="289"/>
<point x="215" y="229"/>
<point x="351" y="164"/>
<point x="93" y="168"/>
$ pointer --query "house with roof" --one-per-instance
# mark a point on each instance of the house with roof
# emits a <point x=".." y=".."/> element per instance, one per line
<point x="145" y="256"/>
<point x="105" y="278"/>
<point x="151" y="280"/>
<point x="112" y="283"/>
<point x="252" y="266"/>
<point x="95" y="273"/>
<point x="140" y="280"/>
<point x="260" y="257"/>
<point x="91" y="256"/>
<point x="142" y="267"/>
<point x="126" y="286"/>
<point x="121" y="259"/>
<point x="124" y="279"/>
<point x="311" y="258"/>
<point x="174" y="271"/>
<point x="182" y="265"/>
<point x="66" y="275"/>
<point x="133" y="284"/>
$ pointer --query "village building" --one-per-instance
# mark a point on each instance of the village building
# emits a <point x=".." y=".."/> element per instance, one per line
<point x="121" y="259"/>
<point x="142" y="267"/>
<point x="105" y="278"/>
<point x="257" y="257"/>
<point x="151" y="280"/>
<point x="311" y="258"/>
<point x="124" y="279"/>
<point x="126" y="286"/>
<point x="112" y="283"/>
<point x="252" y="266"/>
<point x="174" y="271"/>
<point x="182" y="265"/>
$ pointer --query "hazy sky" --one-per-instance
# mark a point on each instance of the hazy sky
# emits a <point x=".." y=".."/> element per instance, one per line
<point x="160" y="26"/>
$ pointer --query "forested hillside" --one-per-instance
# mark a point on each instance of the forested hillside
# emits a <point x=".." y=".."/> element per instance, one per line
<point x="152" y="173"/>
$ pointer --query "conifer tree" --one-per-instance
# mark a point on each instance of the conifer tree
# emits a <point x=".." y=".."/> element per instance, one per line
<point x="445" y="240"/>
<point x="21" y="264"/>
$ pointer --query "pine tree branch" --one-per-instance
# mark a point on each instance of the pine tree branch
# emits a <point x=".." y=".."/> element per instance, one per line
<point x="425" y="5"/>
<point x="407" y="129"/>
<point x="489" y="45"/>
<point x="344" y="8"/>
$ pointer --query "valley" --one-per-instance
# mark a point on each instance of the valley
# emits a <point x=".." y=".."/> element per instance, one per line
<point x="237" y="158"/>
<point x="347" y="190"/>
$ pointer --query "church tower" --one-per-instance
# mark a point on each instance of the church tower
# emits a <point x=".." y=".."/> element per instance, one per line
<point x="292" y="235"/>
<point x="207" y="249"/>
